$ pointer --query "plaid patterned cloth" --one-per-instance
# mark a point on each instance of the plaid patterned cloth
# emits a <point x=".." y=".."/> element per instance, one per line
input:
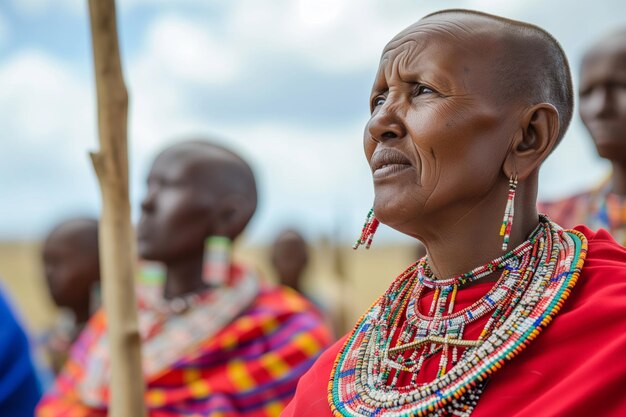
<point x="596" y="208"/>
<point x="248" y="368"/>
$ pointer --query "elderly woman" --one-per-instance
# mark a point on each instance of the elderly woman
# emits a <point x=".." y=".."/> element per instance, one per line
<point x="508" y="314"/>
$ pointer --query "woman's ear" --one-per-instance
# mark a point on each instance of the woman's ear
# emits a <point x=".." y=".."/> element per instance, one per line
<point x="535" y="140"/>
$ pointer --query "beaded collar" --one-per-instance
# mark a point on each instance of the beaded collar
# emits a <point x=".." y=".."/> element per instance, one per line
<point x="536" y="278"/>
<point x="168" y="335"/>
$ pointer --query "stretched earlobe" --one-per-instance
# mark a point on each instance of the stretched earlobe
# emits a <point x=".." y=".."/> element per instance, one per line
<point x="233" y="212"/>
<point x="536" y="139"/>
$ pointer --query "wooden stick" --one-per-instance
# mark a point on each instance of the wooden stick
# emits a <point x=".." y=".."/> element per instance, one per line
<point x="116" y="247"/>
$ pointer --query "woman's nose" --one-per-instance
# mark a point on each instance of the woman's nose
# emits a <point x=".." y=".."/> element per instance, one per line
<point x="387" y="122"/>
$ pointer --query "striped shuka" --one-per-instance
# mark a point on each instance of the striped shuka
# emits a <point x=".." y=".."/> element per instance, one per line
<point x="247" y="367"/>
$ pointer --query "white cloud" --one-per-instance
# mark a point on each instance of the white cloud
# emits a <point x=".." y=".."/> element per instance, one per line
<point x="178" y="56"/>
<point x="184" y="49"/>
<point x="43" y="100"/>
<point x="48" y="125"/>
<point x="334" y="36"/>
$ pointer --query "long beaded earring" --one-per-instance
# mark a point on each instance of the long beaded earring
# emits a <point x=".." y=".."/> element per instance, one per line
<point x="509" y="211"/>
<point x="369" y="228"/>
<point x="216" y="260"/>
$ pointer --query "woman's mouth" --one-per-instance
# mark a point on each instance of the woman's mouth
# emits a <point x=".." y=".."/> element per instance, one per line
<point x="390" y="169"/>
<point x="388" y="162"/>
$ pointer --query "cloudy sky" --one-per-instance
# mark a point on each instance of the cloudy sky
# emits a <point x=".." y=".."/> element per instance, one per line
<point x="284" y="82"/>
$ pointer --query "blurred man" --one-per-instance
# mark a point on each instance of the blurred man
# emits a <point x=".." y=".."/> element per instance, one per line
<point x="290" y="256"/>
<point x="72" y="271"/>
<point x="216" y="342"/>
<point x="602" y="97"/>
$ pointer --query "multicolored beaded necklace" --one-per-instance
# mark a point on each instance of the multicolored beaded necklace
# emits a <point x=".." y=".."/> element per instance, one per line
<point x="168" y="332"/>
<point x="536" y="278"/>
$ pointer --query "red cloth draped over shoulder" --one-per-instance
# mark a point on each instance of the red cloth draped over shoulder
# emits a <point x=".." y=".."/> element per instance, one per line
<point x="249" y="368"/>
<point x="576" y="367"/>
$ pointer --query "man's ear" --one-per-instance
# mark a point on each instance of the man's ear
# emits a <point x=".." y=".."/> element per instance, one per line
<point x="233" y="214"/>
<point x="537" y="136"/>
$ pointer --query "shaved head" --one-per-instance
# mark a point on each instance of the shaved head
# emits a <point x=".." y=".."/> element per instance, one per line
<point x="71" y="261"/>
<point x="529" y="64"/>
<point x="613" y="43"/>
<point x="196" y="189"/>
<point x="82" y="232"/>
<point x="216" y="169"/>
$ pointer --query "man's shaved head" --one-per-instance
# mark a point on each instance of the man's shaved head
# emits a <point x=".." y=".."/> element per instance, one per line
<point x="71" y="261"/>
<point x="82" y="231"/>
<point x="529" y="64"/>
<point x="196" y="189"/>
<point x="613" y="42"/>
<point x="213" y="166"/>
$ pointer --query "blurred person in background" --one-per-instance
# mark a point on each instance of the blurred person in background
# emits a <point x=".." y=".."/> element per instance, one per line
<point x="19" y="387"/>
<point x="290" y="257"/>
<point x="72" y="271"/>
<point x="602" y="103"/>
<point x="215" y="340"/>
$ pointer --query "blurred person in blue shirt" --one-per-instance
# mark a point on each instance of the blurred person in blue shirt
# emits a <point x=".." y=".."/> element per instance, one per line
<point x="19" y="389"/>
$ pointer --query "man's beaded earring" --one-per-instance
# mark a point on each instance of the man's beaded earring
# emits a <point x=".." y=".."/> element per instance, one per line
<point x="216" y="260"/>
<point x="369" y="228"/>
<point x="509" y="211"/>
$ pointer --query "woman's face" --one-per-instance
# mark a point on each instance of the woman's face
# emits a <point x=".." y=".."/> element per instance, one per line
<point x="437" y="137"/>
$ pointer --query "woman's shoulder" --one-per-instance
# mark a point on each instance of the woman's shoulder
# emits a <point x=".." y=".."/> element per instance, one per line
<point x="311" y="397"/>
<point x="603" y="277"/>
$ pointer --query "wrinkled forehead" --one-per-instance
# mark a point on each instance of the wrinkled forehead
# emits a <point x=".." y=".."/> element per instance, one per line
<point x="437" y="42"/>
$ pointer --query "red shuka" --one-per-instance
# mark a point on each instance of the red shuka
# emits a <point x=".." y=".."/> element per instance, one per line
<point x="575" y="367"/>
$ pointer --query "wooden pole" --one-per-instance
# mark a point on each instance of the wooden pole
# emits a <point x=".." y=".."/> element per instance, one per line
<point x="116" y="247"/>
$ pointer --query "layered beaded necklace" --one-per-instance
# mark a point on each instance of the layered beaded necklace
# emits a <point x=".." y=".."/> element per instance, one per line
<point x="395" y="338"/>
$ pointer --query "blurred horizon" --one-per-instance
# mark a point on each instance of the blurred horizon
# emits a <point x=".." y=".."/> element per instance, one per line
<point x="283" y="83"/>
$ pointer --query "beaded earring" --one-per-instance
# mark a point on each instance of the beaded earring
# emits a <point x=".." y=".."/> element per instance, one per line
<point x="507" y="220"/>
<point x="216" y="260"/>
<point x="369" y="228"/>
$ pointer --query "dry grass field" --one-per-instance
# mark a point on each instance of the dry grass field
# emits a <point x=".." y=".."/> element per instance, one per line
<point x="344" y="281"/>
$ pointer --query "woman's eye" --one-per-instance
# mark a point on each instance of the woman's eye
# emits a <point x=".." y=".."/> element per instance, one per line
<point x="378" y="101"/>
<point x="422" y="89"/>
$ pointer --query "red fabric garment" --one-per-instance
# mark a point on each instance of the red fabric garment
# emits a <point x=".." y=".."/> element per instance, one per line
<point x="575" y="367"/>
